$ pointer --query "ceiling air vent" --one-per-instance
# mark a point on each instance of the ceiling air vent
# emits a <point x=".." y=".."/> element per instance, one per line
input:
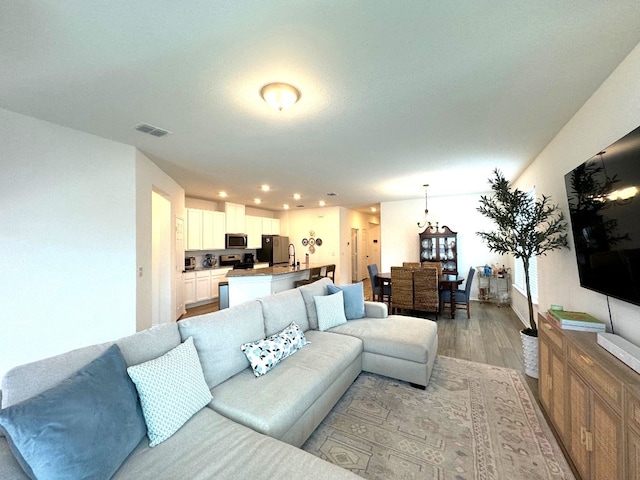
<point x="151" y="130"/>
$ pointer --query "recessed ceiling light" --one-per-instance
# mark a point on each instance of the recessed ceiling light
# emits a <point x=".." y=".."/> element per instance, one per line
<point x="296" y="196"/>
<point x="374" y="209"/>
<point x="223" y="194"/>
<point x="265" y="188"/>
<point x="285" y="206"/>
<point x="321" y="203"/>
<point x="257" y="200"/>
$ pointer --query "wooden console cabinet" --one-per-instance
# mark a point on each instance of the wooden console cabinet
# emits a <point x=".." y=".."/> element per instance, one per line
<point x="593" y="402"/>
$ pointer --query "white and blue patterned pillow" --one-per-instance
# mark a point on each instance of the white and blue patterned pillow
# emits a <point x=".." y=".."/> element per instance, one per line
<point x="330" y="310"/>
<point x="172" y="389"/>
<point x="267" y="353"/>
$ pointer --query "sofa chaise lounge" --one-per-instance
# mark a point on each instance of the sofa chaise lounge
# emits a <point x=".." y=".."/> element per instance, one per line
<point x="253" y="422"/>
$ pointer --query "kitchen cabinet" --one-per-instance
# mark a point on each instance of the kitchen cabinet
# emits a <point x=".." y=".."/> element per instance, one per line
<point x="205" y="229"/>
<point x="213" y="229"/>
<point x="270" y="226"/>
<point x="203" y="285"/>
<point x="254" y="231"/>
<point x="194" y="229"/>
<point x="439" y="244"/>
<point x="189" y="288"/>
<point x="234" y="218"/>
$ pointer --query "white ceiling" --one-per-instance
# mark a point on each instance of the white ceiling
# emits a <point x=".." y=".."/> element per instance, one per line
<point x="394" y="94"/>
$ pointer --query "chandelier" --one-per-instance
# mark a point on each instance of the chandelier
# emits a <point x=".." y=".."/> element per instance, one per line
<point x="425" y="222"/>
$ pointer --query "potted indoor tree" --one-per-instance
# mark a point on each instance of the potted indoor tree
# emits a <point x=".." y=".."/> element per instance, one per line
<point x="525" y="228"/>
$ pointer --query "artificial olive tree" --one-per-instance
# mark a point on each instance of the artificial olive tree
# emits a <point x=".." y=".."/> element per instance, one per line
<point x="525" y="228"/>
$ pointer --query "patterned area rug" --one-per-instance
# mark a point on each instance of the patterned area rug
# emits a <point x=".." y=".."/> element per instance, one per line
<point x="473" y="421"/>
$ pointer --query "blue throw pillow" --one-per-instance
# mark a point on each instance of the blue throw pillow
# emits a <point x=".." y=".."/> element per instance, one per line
<point x="84" y="427"/>
<point x="353" y="299"/>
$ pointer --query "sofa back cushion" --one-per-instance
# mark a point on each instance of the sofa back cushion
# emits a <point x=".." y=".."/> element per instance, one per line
<point x="281" y="309"/>
<point x="218" y="336"/>
<point x="315" y="289"/>
<point x="28" y="380"/>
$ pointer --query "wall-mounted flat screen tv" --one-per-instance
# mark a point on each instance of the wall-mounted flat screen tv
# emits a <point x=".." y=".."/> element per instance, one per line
<point x="604" y="207"/>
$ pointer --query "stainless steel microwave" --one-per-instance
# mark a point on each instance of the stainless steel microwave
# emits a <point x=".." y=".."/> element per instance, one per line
<point x="235" y="240"/>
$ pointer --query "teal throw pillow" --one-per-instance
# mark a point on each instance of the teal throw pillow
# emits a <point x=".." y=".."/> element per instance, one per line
<point x="172" y="389"/>
<point x="84" y="427"/>
<point x="353" y="299"/>
<point x="330" y="310"/>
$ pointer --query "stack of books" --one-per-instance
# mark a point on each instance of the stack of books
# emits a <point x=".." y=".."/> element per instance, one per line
<point x="575" y="321"/>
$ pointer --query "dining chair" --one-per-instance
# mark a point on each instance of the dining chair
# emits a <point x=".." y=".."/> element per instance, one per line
<point x="376" y="291"/>
<point x="461" y="297"/>
<point x="401" y="288"/>
<point x="315" y="273"/>
<point x="426" y="296"/>
<point x="413" y="265"/>
<point x="436" y="265"/>
<point x="331" y="272"/>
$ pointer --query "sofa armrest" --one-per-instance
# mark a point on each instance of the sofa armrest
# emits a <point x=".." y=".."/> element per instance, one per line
<point x="375" y="310"/>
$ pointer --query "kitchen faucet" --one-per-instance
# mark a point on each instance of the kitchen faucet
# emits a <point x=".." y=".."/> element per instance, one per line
<point x="293" y="264"/>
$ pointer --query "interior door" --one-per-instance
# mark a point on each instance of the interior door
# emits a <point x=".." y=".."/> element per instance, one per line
<point x="179" y="268"/>
<point x="354" y="255"/>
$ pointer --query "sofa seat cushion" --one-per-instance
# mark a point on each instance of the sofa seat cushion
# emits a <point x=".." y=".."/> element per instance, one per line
<point x="211" y="446"/>
<point x="272" y="403"/>
<point x="395" y="336"/>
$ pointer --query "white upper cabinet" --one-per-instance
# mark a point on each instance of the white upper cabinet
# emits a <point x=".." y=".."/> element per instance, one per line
<point x="205" y="229"/>
<point x="254" y="231"/>
<point x="194" y="229"/>
<point x="235" y="217"/>
<point x="271" y="226"/>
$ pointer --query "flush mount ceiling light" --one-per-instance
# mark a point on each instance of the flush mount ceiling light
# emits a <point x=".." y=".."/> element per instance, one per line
<point x="280" y="95"/>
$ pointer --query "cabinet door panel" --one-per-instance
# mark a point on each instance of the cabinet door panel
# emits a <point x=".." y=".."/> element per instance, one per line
<point x="579" y="417"/>
<point x="607" y="441"/>
<point x="544" y="382"/>
<point x="557" y="392"/>
<point x="633" y="455"/>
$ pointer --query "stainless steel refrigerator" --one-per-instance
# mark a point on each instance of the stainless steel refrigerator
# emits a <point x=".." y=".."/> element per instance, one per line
<point x="275" y="250"/>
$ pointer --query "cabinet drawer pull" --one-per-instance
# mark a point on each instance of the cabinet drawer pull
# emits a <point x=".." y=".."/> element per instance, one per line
<point x="586" y="360"/>
<point x="549" y="327"/>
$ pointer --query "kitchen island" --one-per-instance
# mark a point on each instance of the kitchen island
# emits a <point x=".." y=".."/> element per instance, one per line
<point x="245" y="285"/>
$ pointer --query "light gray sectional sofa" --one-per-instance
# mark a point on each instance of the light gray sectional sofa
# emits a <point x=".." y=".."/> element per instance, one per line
<point x="252" y="425"/>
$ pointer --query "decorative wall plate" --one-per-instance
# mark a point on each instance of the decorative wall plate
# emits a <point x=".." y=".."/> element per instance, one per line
<point x="305" y="242"/>
<point x="319" y="242"/>
<point x="312" y="241"/>
<point x="312" y="249"/>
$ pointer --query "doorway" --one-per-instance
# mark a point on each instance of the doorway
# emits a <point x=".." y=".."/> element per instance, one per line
<point x="161" y="271"/>
<point x="354" y="255"/>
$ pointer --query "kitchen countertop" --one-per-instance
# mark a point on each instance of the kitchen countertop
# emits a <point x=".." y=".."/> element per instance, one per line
<point x="275" y="270"/>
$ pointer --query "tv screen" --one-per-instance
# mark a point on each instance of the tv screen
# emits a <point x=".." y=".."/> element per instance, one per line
<point x="604" y="207"/>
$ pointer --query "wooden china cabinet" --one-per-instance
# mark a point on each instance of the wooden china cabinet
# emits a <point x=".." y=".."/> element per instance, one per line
<point x="439" y="244"/>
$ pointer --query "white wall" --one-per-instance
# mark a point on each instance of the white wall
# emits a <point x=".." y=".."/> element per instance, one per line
<point x="67" y="198"/>
<point x="400" y="241"/>
<point x="612" y="112"/>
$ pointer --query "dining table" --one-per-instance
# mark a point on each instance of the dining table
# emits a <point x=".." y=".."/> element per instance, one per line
<point x="446" y="281"/>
